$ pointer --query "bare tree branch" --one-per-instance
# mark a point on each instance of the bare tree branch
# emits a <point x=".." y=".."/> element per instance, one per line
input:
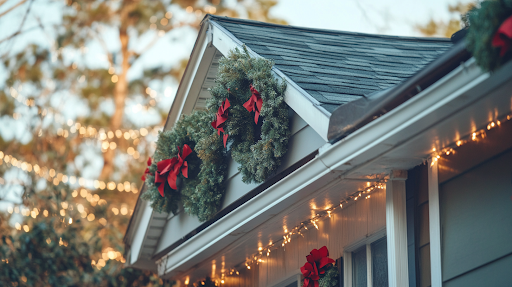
<point x="97" y="35"/>
<point x="12" y="8"/>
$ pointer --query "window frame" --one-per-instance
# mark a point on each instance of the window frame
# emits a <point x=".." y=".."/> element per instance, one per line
<point x="348" y="270"/>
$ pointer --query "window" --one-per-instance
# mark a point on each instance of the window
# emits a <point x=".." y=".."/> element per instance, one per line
<point x="368" y="265"/>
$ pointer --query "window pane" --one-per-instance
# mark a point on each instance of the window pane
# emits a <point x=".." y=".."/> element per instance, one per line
<point x="359" y="266"/>
<point x="380" y="263"/>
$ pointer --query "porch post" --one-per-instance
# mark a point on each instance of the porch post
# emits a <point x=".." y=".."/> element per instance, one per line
<point x="396" y="229"/>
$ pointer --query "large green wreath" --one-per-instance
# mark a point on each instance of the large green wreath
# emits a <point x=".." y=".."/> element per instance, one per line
<point x="201" y="193"/>
<point x="257" y="148"/>
<point x="483" y="23"/>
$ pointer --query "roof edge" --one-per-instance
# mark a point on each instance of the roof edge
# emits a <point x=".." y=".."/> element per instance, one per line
<point x="327" y="31"/>
<point x="352" y="116"/>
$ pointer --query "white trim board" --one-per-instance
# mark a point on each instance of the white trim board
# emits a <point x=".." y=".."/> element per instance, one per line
<point x="434" y="224"/>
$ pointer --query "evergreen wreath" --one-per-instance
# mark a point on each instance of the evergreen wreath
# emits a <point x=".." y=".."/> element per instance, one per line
<point x="319" y="270"/>
<point x="484" y="21"/>
<point x="201" y="192"/>
<point x="257" y="147"/>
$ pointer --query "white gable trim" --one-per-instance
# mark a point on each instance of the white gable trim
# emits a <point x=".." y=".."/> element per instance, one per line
<point x="193" y="78"/>
<point x="307" y="107"/>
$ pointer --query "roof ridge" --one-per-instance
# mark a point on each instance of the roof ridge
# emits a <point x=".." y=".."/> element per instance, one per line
<point x="317" y="30"/>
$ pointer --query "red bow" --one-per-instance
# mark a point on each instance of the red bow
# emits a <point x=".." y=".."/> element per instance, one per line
<point x="310" y="275"/>
<point x="146" y="172"/>
<point x="503" y="37"/>
<point x="222" y="117"/>
<point x="169" y="169"/>
<point x="320" y="258"/>
<point x="254" y="104"/>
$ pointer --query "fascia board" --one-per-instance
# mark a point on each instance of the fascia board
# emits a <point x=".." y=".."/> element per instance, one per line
<point x="307" y="107"/>
<point x="337" y="161"/>
<point x="141" y="227"/>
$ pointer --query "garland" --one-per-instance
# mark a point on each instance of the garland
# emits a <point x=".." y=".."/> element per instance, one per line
<point x="489" y="36"/>
<point x="247" y="86"/>
<point x="189" y="166"/>
<point x="190" y="162"/>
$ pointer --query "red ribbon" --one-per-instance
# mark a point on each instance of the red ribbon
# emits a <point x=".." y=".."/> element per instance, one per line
<point x="169" y="169"/>
<point x="318" y="262"/>
<point x="320" y="258"/>
<point x="254" y="104"/>
<point x="146" y="172"/>
<point x="222" y="117"/>
<point x="503" y="37"/>
<point x="310" y="275"/>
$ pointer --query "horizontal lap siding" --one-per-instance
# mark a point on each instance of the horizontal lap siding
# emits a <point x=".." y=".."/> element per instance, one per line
<point x="476" y="222"/>
<point x="352" y="223"/>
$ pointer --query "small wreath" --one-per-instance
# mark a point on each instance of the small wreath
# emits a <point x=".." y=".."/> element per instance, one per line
<point x="319" y="270"/>
<point x="489" y="36"/>
<point x="245" y="86"/>
<point x="189" y="165"/>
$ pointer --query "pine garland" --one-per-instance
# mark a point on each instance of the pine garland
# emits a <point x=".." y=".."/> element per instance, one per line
<point x="258" y="153"/>
<point x="483" y="23"/>
<point x="202" y="191"/>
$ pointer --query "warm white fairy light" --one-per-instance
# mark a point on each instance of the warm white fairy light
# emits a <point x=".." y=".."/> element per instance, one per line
<point x="56" y="178"/>
<point x="473" y="137"/>
<point x="303" y="226"/>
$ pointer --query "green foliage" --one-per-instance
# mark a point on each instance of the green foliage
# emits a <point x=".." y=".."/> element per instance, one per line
<point x="53" y="252"/>
<point x="483" y="23"/>
<point x="202" y="191"/>
<point x="259" y="155"/>
<point x="330" y="277"/>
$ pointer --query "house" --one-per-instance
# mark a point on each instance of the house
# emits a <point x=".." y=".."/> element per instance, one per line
<point x="399" y="162"/>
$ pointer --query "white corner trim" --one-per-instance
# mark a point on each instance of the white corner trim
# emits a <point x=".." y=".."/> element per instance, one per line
<point x="396" y="227"/>
<point x="347" y="269"/>
<point x="369" y="266"/>
<point x="300" y="101"/>
<point x="434" y="225"/>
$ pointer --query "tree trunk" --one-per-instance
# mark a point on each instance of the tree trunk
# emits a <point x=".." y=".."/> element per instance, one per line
<point x="120" y="93"/>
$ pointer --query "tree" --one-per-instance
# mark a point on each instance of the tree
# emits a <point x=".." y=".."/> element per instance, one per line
<point x="68" y="144"/>
<point x="446" y="29"/>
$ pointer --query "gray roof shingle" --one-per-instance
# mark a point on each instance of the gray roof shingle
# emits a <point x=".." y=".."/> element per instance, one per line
<point x="336" y="67"/>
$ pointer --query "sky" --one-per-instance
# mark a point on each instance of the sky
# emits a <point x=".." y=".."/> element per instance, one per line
<point x="391" y="17"/>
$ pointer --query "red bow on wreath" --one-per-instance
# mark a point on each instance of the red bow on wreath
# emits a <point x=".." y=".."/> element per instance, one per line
<point x="146" y="172"/>
<point x="254" y="104"/>
<point x="503" y="37"/>
<point x="169" y="169"/>
<point x="318" y="262"/>
<point x="310" y="275"/>
<point x="222" y="117"/>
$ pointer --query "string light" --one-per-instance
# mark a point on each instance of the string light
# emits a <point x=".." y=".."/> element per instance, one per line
<point x="303" y="226"/>
<point x="52" y="176"/>
<point x="473" y="137"/>
<point x="86" y="131"/>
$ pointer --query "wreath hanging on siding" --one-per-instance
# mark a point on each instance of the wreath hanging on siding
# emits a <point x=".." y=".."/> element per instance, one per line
<point x="489" y="36"/>
<point x="247" y="114"/>
<point x="193" y="175"/>
<point x="256" y="121"/>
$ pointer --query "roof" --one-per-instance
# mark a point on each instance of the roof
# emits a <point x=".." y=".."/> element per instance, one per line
<point x="337" y="67"/>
